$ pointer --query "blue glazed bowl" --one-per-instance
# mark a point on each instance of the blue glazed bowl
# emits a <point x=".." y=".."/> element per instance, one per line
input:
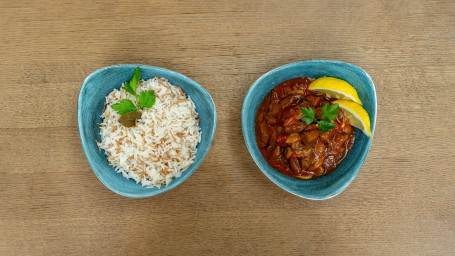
<point x="90" y="106"/>
<point x="335" y="182"/>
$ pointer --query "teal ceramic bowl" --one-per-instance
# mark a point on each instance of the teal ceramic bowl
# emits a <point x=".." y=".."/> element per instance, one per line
<point x="90" y="106"/>
<point x="335" y="182"/>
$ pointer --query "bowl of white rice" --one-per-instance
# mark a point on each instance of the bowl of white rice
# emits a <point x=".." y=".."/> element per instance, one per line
<point x="163" y="147"/>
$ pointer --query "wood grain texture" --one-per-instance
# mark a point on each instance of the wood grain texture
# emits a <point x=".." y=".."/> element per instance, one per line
<point x="401" y="203"/>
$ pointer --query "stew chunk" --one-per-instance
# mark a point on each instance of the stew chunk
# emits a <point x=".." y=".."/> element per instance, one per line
<point x="293" y="147"/>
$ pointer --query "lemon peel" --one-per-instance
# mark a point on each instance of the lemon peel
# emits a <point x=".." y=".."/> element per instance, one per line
<point x="356" y="114"/>
<point x="335" y="88"/>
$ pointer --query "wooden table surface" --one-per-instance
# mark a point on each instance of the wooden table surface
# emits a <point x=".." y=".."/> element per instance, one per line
<point x="402" y="202"/>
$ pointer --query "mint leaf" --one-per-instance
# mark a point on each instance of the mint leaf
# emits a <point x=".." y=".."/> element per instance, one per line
<point x="146" y="99"/>
<point x="308" y="113"/>
<point x="124" y="106"/>
<point x="325" y="125"/>
<point x="330" y="111"/>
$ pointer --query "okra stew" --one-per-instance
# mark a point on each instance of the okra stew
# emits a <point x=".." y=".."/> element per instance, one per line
<point x="295" y="146"/>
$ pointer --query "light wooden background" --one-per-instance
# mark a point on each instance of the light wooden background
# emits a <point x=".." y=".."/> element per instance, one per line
<point x="401" y="203"/>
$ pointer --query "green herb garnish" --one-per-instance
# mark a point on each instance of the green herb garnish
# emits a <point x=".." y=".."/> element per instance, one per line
<point x="145" y="99"/>
<point x="308" y="113"/>
<point x="124" y="106"/>
<point x="131" y="86"/>
<point x="325" y="125"/>
<point x="329" y="112"/>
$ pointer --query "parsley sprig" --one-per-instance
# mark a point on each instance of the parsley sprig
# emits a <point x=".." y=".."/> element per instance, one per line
<point x="329" y="112"/>
<point x="146" y="99"/>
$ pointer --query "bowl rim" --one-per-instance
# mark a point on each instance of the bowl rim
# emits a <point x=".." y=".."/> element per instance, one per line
<point x="283" y="67"/>
<point x="172" y="184"/>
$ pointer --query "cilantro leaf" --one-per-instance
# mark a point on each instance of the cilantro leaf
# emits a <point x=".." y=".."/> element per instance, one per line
<point x="325" y="125"/>
<point x="131" y="86"/>
<point x="124" y="106"/>
<point x="308" y="113"/>
<point x="135" y="79"/>
<point x="146" y="99"/>
<point x="128" y="88"/>
<point x="330" y="111"/>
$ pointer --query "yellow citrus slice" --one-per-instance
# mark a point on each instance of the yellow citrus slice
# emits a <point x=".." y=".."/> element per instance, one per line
<point x="335" y="88"/>
<point x="356" y="114"/>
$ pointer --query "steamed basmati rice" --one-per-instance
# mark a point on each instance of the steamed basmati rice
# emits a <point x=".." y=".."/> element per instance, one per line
<point x="162" y="144"/>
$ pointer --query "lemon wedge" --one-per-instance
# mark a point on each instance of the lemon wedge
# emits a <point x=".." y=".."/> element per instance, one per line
<point x="335" y="88"/>
<point x="356" y="115"/>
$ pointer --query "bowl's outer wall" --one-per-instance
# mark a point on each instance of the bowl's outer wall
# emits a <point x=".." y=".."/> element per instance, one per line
<point x="90" y="106"/>
<point x="332" y="184"/>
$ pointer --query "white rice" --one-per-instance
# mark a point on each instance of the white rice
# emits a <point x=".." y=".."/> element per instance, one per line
<point x="162" y="144"/>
